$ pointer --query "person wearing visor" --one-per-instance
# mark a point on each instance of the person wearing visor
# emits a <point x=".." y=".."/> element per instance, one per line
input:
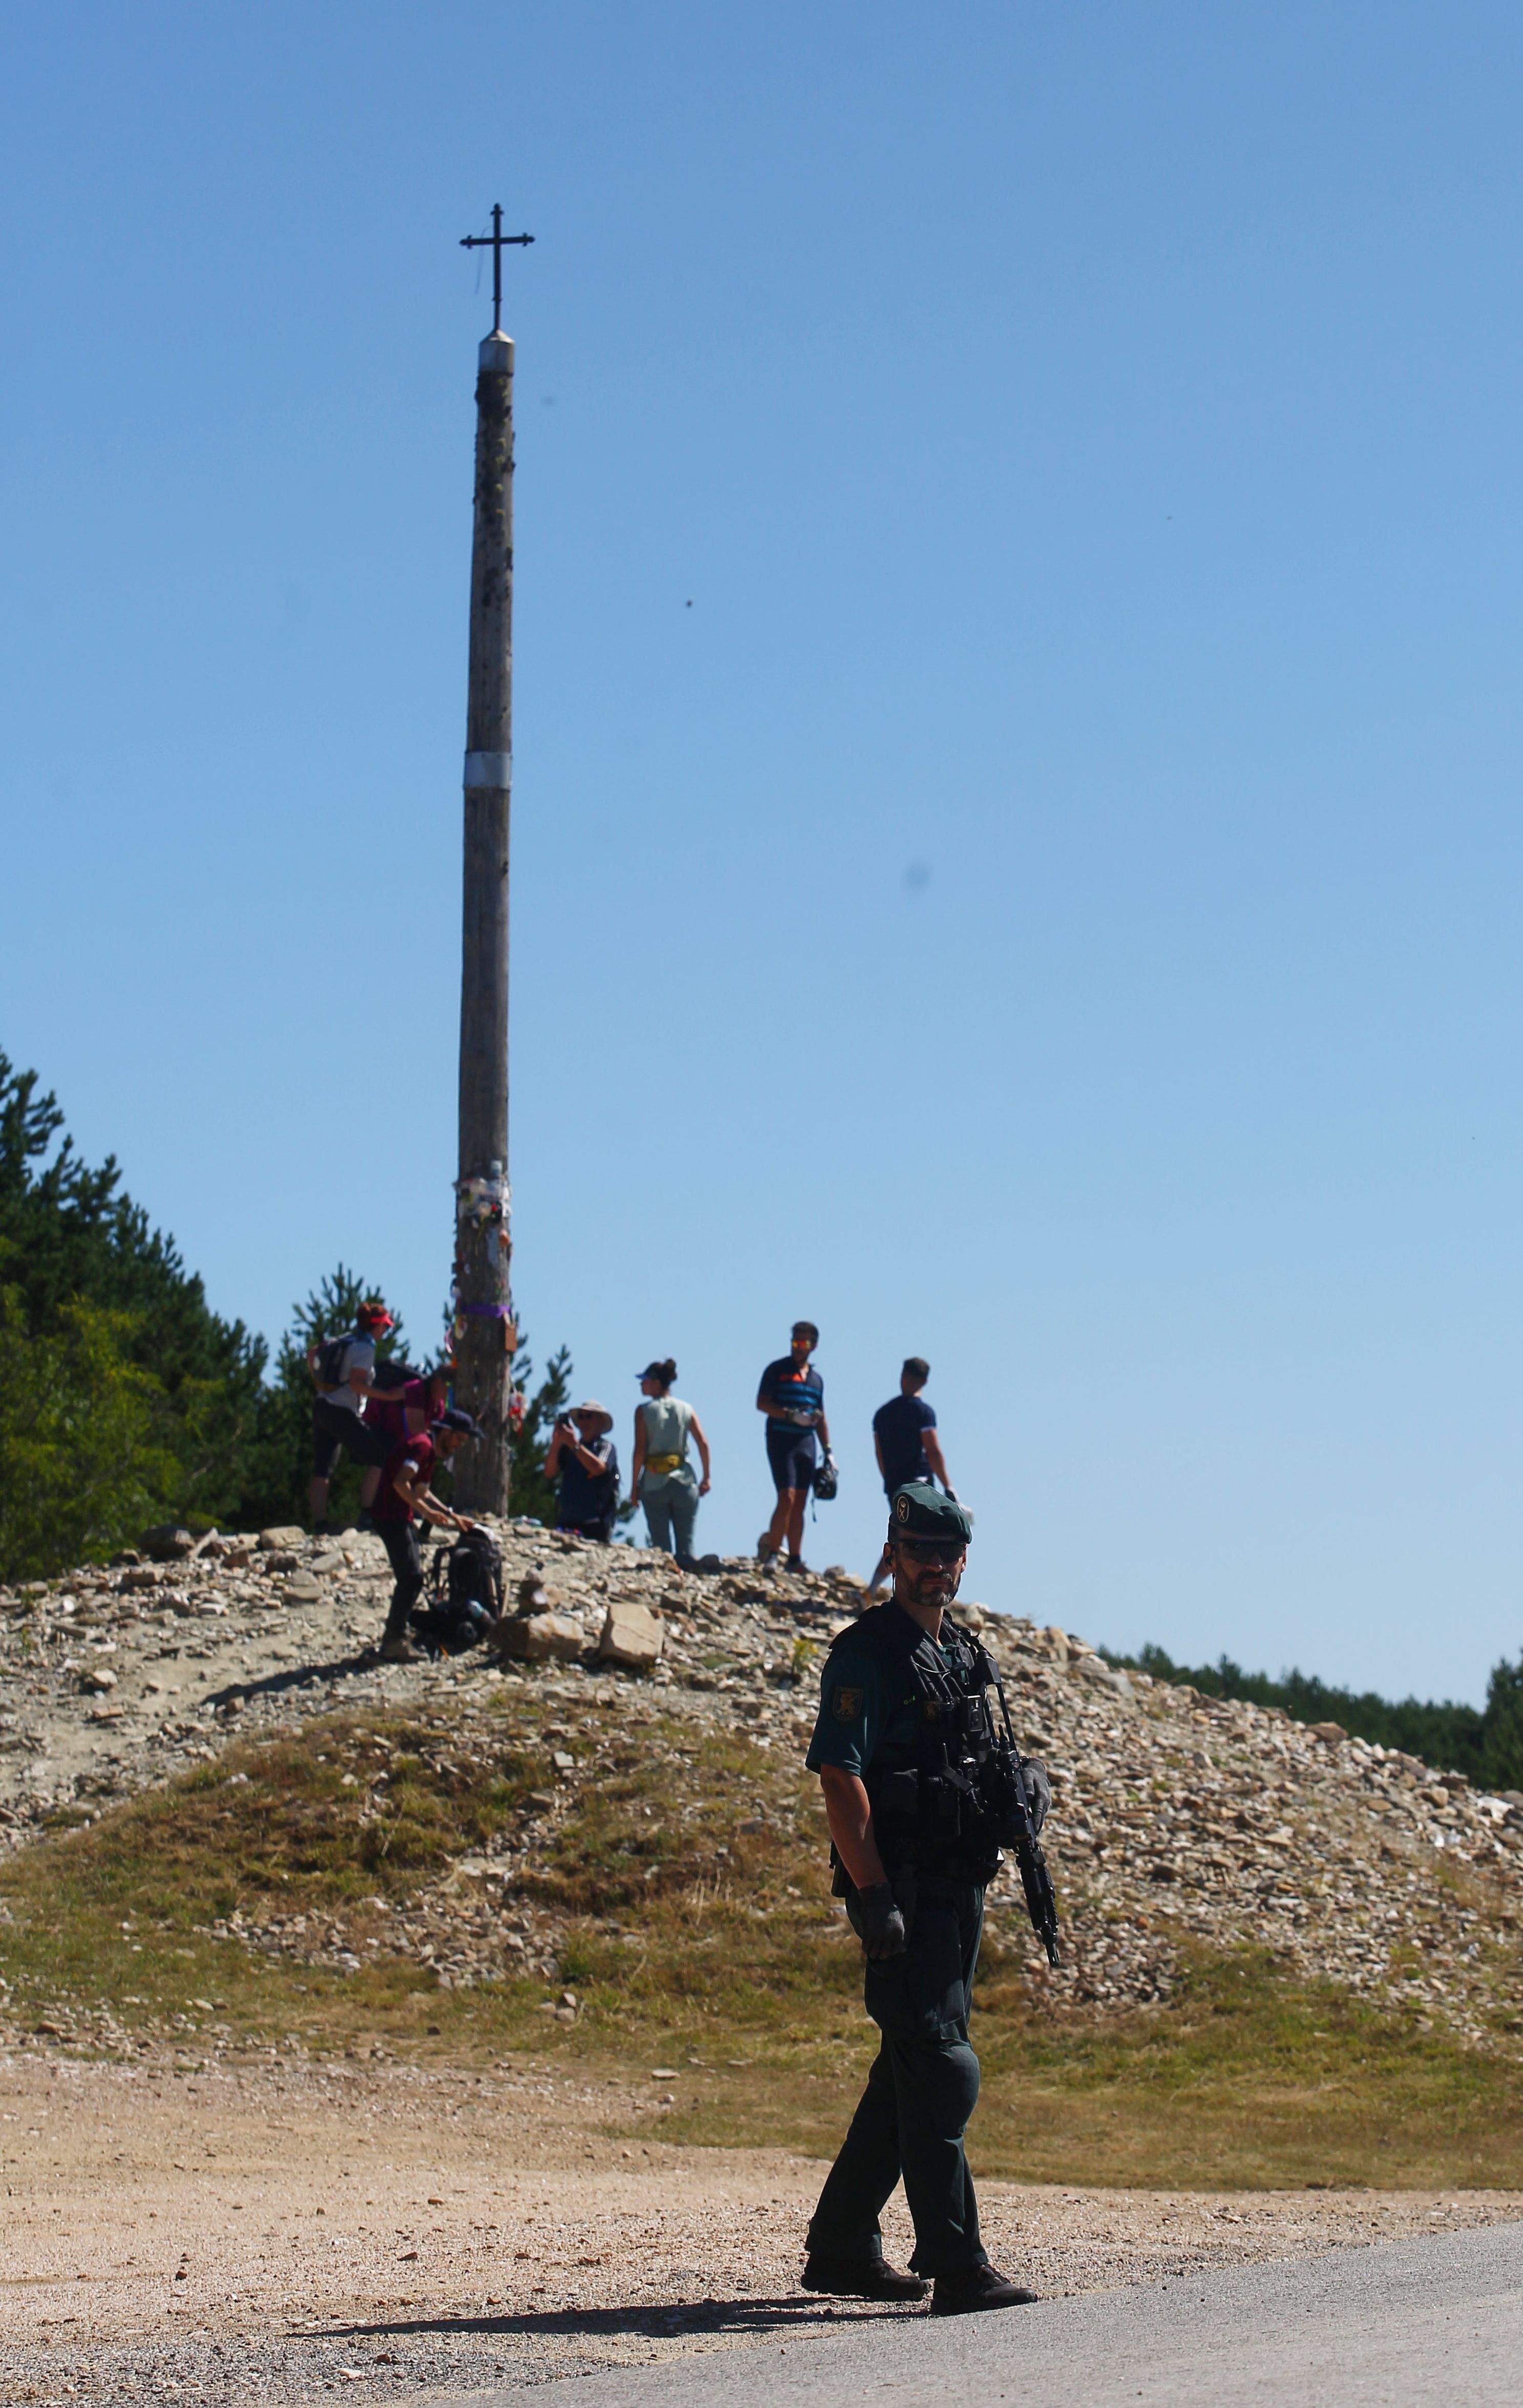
<point x="584" y="1463"/>
<point x="343" y="1371"/>
<point x="661" y="1476"/>
<point x="895" y="1682"/>
<point x="406" y="1491"/>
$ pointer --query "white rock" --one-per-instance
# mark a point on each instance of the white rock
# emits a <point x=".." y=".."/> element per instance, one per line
<point x="632" y="1636"/>
<point x="533" y="1638"/>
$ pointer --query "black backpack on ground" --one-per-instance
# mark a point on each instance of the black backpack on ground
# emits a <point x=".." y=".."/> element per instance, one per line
<point x="467" y="1594"/>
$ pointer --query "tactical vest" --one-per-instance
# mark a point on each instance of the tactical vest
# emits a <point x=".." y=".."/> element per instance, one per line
<point x="939" y="1812"/>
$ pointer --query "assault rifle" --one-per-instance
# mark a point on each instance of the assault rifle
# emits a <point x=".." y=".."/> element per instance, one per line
<point x="1017" y="1831"/>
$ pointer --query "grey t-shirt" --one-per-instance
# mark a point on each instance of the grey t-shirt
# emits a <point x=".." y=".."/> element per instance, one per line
<point x="359" y="1355"/>
<point x="667" y="1421"/>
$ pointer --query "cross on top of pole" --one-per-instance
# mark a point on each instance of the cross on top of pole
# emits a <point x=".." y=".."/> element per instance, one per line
<point x="496" y="241"/>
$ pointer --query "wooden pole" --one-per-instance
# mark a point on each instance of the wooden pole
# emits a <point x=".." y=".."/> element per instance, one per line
<point x="485" y="1334"/>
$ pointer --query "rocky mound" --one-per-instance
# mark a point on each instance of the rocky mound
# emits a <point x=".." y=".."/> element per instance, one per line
<point x="1178" y="1818"/>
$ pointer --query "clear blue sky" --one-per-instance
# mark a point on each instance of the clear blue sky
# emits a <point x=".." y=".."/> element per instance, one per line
<point x="1051" y="901"/>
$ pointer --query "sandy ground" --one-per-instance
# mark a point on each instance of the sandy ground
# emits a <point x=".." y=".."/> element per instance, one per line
<point x="279" y="2233"/>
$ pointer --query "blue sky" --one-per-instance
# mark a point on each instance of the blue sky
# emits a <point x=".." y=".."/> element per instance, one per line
<point x="1050" y="903"/>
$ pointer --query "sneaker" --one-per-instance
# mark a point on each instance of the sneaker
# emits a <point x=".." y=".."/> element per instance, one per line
<point x="975" y="2288"/>
<point x="859" y="2278"/>
<point x="400" y="1649"/>
<point x="797" y="1564"/>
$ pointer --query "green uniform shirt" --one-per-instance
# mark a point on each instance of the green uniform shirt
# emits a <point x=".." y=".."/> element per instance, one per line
<point x="867" y="1714"/>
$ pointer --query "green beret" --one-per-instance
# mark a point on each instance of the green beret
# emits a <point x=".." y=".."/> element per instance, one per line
<point x="918" y="1510"/>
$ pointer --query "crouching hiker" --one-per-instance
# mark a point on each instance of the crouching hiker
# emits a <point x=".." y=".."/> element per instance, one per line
<point x="404" y="1491"/>
<point x="401" y="1403"/>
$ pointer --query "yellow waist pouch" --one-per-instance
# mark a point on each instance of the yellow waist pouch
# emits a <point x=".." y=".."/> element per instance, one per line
<point x="663" y="1463"/>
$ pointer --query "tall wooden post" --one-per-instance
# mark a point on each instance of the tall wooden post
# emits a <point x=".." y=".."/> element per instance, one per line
<point x="484" y="1333"/>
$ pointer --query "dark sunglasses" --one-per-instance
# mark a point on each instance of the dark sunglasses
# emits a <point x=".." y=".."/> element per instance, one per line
<point x="931" y="1551"/>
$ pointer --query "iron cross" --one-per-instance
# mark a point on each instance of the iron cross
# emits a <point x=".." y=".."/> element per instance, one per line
<point x="497" y="239"/>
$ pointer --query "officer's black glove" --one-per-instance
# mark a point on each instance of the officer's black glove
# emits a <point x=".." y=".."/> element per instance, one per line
<point x="1039" y="1790"/>
<point x="883" y="1924"/>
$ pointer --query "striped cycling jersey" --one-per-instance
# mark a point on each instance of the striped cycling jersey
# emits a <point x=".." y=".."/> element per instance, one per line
<point x="783" y="1383"/>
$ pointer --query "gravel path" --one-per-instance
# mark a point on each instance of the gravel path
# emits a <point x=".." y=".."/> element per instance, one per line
<point x="249" y="2234"/>
<point x="1425" y="2323"/>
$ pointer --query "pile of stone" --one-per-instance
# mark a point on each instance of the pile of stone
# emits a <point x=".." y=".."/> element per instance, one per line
<point x="1178" y="1818"/>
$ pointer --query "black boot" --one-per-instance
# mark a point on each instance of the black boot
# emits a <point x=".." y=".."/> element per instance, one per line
<point x="859" y="2278"/>
<point x="976" y="2288"/>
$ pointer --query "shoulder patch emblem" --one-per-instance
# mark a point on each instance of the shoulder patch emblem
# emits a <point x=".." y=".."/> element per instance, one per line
<point x="845" y="1703"/>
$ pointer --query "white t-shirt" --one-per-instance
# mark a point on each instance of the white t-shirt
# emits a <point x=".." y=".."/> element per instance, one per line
<point x="359" y="1355"/>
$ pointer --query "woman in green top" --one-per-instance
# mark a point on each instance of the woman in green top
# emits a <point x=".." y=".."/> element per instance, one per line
<point x="662" y="1478"/>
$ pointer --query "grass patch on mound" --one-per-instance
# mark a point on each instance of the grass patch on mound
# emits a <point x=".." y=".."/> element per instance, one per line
<point x="677" y="1872"/>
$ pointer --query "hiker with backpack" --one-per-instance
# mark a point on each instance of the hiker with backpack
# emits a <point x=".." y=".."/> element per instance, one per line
<point x="342" y="1370"/>
<point x="662" y="1476"/>
<point x="404" y="1491"/>
<point x="584" y="1463"/>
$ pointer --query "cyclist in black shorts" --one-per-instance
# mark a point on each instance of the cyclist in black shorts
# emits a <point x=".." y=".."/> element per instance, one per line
<point x="792" y="1396"/>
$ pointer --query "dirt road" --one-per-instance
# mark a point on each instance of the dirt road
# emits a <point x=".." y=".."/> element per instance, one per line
<point x="278" y="2232"/>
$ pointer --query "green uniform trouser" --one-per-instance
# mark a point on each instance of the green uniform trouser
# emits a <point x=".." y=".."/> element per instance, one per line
<point x="920" y="2093"/>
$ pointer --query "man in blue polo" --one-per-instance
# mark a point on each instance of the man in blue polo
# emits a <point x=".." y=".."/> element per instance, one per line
<point x="792" y="1397"/>
<point x="894" y="1679"/>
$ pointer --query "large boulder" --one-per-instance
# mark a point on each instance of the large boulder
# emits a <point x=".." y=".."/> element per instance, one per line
<point x="286" y="1536"/>
<point x="631" y="1636"/>
<point x="537" y="1638"/>
<point x="167" y="1543"/>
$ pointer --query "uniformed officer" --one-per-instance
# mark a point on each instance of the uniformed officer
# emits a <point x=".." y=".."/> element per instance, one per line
<point x="915" y="1900"/>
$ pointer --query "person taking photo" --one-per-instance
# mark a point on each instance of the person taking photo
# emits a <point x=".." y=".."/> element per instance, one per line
<point x="584" y="1463"/>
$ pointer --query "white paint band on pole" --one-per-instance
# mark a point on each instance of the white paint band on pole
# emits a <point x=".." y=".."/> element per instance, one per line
<point x="489" y="769"/>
